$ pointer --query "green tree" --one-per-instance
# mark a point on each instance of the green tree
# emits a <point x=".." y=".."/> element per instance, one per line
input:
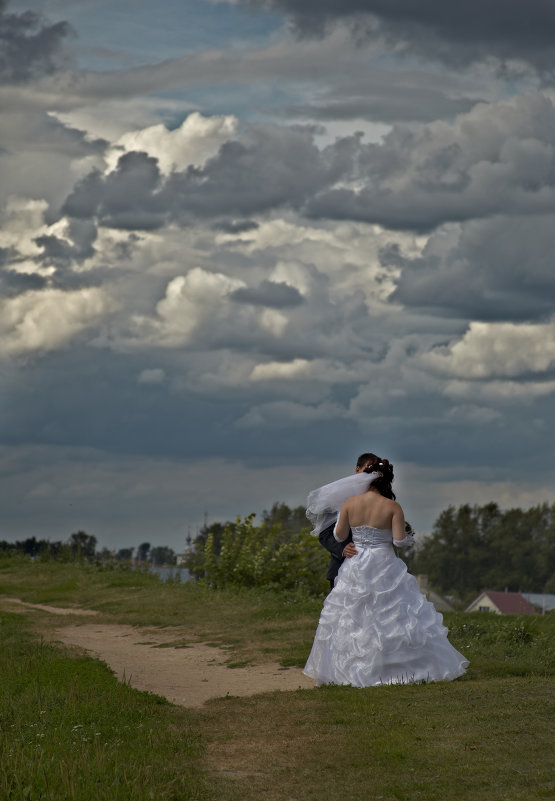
<point x="83" y="545"/>
<point x="161" y="555"/>
<point x="473" y="548"/>
<point x="143" y="552"/>
<point x="281" y="515"/>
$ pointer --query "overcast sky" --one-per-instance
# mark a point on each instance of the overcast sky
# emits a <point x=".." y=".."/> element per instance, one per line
<point x="242" y="242"/>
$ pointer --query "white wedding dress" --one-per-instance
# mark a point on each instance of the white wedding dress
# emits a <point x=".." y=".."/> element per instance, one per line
<point x="376" y="626"/>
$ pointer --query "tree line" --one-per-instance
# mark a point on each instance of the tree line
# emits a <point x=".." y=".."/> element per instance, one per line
<point x="475" y="548"/>
<point x="470" y="549"/>
<point x="83" y="546"/>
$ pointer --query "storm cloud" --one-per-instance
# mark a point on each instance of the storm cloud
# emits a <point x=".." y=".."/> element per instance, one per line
<point x="248" y="264"/>
<point x="269" y="293"/>
<point x="30" y="47"/>
<point x="270" y="167"/>
<point x="462" y="33"/>
<point x="498" y="269"/>
<point x="494" y="159"/>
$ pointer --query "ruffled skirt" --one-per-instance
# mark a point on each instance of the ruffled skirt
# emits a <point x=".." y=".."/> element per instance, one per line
<point x="377" y="628"/>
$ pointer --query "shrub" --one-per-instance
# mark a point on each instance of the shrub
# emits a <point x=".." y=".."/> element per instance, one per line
<point x="264" y="556"/>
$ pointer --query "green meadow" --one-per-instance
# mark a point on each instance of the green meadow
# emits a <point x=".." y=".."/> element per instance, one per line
<point x="70" y="730"/>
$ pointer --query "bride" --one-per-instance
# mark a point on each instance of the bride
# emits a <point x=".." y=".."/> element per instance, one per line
<point x="376" y="627"/>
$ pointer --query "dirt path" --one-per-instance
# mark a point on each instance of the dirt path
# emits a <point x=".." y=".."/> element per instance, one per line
<point x="185" y="675"/>
<point x="188" y="676"/>
<point x="54" y="610"/>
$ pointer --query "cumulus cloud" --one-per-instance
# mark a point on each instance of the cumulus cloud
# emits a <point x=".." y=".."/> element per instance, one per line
<point x="497" y="158"/>
<point x="497" y="349"/>
<point x="267" y="168"/>
<point x="192" y="143"/>
<point x="189" y="300"/>
<point x="270" y="371"/>
<point x="495" y="269"/>
<point x="49" y="319"/>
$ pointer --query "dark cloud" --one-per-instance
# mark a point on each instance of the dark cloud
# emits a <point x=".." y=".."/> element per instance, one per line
<point x="64" y="252"/>
<point x="492" y="270"/>
<point x="455" y="33"/>
<point x="30" y="47"/>
<point x="270" y="294"/>
<point x="13" y="283"/>
<point x="75" y="249"/>
<point x="496" y="159"/>
<point x="237" y="226"/>
<point x="270" y="167"/>
<point x="127" y="198"/>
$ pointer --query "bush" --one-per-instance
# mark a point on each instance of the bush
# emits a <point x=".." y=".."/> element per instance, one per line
<point x="264" y="556"/>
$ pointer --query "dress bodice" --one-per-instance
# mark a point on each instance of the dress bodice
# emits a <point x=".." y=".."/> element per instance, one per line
<point x="370" y="537"/>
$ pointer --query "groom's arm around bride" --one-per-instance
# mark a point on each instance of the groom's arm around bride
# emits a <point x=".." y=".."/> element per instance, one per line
<point x="341" y="550"/>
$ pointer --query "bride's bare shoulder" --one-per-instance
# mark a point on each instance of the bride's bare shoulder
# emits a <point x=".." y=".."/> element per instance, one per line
<point x="395" y="506"/>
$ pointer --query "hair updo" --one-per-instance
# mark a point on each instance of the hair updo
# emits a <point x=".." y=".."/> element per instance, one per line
<point x="383" y="482"/>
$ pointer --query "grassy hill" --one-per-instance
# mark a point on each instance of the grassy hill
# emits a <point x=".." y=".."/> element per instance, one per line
<point x="69" y="730"/>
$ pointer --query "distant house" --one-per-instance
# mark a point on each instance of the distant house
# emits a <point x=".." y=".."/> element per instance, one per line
<point x="502" y="603"/>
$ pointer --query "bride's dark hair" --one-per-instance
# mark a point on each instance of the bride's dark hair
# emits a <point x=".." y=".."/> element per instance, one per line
<point x="383" y="483"/>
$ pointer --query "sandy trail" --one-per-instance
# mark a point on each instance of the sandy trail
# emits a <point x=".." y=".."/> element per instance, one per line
<point x="54" y="610"/>
<point x="188" y="676"/>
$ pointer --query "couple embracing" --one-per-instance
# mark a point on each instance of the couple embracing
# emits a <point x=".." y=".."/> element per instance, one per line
<point x="376" y="627"/>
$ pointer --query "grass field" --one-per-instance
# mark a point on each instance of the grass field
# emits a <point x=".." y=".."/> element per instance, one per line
<point x="69" y="730"/>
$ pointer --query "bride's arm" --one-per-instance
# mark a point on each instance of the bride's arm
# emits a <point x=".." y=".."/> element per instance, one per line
<point x="398" y="524"/>
<point x="402" y="533"/>
<point x="342" y="527"/>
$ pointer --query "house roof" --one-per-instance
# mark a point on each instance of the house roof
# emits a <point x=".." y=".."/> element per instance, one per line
<point x="440" y="604"/>
<point x="510" y="603"/>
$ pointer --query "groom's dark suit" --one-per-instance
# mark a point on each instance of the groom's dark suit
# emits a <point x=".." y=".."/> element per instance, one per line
<point x="336" y="550"/>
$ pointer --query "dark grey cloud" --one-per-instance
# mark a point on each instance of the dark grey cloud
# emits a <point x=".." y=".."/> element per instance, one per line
<point x="237" y="226"/>
<point x="270" y="167"/>
<point x="455" y="33"/>
<point x="75" y="249"/>
<point x="270" y="294"/>
<point x="496" y="159"/>
<point x="492" y="270"/>
<point x="30" y="47"/>
<point x="127" y="198"/>
<point x="13" y="283"/>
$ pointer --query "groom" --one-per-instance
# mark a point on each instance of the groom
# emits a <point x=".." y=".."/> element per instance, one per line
<point x="342" y="550"/>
